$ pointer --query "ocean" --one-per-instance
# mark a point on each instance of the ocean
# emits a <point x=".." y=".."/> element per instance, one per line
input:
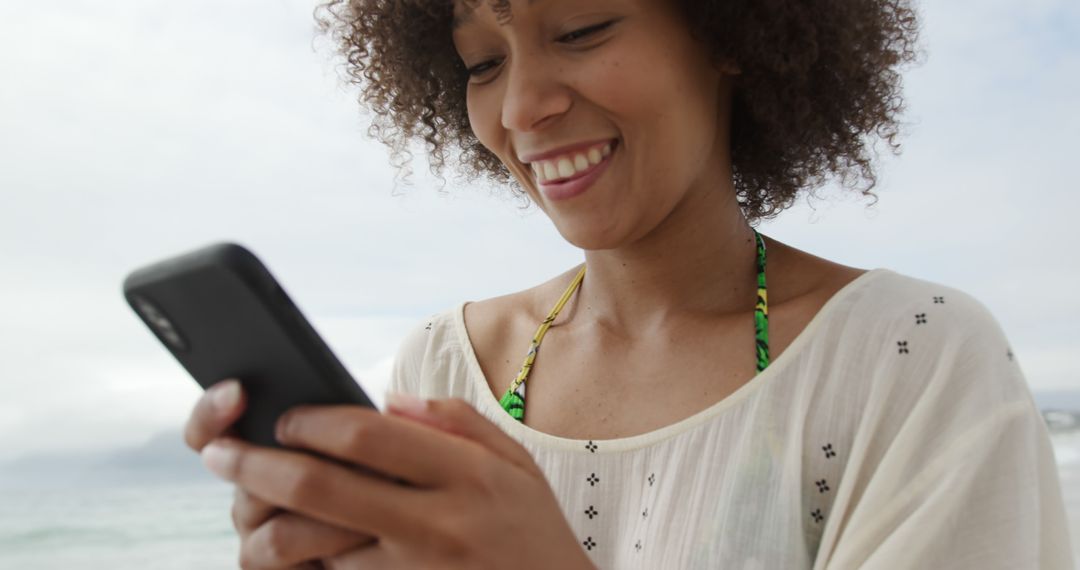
<point x="186" y="525"/>
<point x="182" y="526"/>
<point x="1067" y="453"/>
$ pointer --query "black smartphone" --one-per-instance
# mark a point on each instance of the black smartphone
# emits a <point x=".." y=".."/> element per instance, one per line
<point x="221" y="313"/>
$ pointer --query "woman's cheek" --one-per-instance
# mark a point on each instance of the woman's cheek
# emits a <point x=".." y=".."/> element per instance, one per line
<point x="615" y="85"/>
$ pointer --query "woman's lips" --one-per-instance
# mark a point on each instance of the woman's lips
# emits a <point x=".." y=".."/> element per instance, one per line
<point x="579" y="181"/>
<point x="570" y="165"/>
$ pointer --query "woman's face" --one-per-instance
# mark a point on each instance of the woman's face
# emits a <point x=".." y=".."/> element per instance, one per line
<point x="607" y="111"/>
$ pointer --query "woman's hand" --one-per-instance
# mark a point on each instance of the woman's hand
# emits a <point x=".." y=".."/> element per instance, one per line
<point x="473" y="497"/>
<point x="269" y="536"/>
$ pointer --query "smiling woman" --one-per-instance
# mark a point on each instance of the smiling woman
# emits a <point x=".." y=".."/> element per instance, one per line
<point x="707" y="396"/>
<point x="816" y="80"/>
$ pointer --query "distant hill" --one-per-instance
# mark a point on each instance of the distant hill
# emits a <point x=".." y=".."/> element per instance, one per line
<point x="163" y="459"/>
<point x="1058" y="400"/>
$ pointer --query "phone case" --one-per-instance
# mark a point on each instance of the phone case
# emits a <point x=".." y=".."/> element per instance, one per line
<point x="222" y="314"/>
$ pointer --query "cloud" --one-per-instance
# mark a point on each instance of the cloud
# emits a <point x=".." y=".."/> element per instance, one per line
<point x="139" y="129"/>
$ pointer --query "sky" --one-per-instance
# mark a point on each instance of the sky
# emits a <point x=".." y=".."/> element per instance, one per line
<point x="131" y="130"/>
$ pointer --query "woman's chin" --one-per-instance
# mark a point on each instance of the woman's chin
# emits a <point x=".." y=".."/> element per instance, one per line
<point x="589" y="236"/>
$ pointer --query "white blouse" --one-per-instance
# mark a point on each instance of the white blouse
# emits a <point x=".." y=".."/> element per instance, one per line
<point x="896" y="431"/>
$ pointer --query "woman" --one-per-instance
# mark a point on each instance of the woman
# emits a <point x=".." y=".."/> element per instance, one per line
<point x="706" y="397"/>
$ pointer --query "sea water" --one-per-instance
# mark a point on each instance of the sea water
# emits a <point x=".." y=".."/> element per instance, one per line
<point x="187" y="526"/>
<point x="157" y="526"/>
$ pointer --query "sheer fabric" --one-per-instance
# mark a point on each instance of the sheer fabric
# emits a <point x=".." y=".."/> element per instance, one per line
<point x="896" y="431"/>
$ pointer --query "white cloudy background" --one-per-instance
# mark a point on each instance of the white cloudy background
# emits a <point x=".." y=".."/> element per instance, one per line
<point x="135" y="129"/>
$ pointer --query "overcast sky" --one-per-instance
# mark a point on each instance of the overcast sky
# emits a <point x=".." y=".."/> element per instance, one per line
<point x="135" y="129"/>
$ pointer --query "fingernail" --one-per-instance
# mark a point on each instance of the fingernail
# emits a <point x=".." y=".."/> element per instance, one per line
<point x="225" y="395"/>
<point x="218" y="459"/>
<point x="281" y="428"/>
<point x="406" y="403"/>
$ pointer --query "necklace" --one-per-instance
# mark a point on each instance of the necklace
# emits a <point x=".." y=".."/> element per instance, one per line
<point x="513" y="401"/>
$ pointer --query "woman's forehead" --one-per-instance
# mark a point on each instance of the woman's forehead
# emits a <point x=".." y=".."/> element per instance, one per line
<point x="464" y="10"/>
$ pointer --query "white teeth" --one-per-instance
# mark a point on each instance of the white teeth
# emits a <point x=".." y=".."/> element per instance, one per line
<point x="550" y="172"/>
<point x="580" y="162"/>
<point x="566" y="168"/>
<point x="594" y="156"/>
<point x="569" y="165"/>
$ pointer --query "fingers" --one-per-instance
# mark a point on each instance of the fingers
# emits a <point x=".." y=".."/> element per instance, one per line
<point x="216" y="410"/>
<point x="428" y="447"/>
<point x="272" y="538"/>
<point x="320" y="489"/>
<point x="249" y="512"/>
<point x="456" y="416"/>
<point x="371" y="557"/>
<point x="287" y="540"/>
<point x="394" y="446"/>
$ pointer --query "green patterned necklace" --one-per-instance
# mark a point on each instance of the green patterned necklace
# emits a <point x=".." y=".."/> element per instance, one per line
<point x="513" y="401"/>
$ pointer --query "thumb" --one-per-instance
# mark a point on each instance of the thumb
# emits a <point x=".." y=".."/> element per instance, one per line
<point x="214" y="413"/>
<point x="456" y="416"/>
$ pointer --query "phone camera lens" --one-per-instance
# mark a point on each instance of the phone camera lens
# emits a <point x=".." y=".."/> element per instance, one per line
<point x="173" y="337"/>
<point x="160" y="323"/>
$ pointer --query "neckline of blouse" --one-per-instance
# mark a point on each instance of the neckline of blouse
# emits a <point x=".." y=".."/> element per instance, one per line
<point x="524" y="432"/>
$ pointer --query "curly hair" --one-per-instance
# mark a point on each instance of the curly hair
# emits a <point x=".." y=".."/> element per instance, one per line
<point x="820" y="79"/>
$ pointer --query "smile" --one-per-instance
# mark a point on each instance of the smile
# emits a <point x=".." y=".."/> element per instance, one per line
<point x="571" y="165"/>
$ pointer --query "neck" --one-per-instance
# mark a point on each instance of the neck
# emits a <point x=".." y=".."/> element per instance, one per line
<point x="699" y="262"/>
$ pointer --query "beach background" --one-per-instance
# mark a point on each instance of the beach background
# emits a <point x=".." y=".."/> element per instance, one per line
<point x="131" y="130"/>
<point x="1069" y="469"/>
<point x="154" y="506"/>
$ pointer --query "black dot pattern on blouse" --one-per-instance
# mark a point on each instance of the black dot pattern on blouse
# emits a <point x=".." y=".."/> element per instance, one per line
<point x="904" y="348"/>
<point x="649" y="485"/>
<point x="817" y="515"/>
<point x="592" y="512"/>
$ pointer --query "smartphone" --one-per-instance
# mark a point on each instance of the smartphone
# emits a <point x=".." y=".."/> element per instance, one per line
<point x="221" y="313"/>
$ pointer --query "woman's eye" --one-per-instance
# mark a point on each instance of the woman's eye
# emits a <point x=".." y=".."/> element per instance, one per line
<point x="480" y="68"/>
<point x="578" y="34"/>
<point x="571" y="37"/>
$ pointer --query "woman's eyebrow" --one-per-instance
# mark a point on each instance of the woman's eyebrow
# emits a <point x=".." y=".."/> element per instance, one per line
<point x="501" y="7"/>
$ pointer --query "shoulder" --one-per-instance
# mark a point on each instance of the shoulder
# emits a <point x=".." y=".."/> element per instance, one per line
<point x="916" y="339"/>
<point x="890" y="323"/>
<point x="880" y="295"/>
<point x="903" y="302"/>
<point x="499" y="329"/>
<point x="913" y="322"/>
<point x="492" y="329"/>
<point x="911" y="367"/>
<point x="529" y="306"/>
<point x="422" y="347"/>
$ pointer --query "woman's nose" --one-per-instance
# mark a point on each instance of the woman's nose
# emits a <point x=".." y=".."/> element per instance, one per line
<point x="535" y="95"/>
